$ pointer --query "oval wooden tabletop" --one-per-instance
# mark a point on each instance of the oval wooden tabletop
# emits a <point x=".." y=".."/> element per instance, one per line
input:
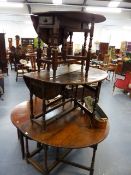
<point x="68" y="75"/>
<point x="70" y="131"/>
<point x="73" y="16"/>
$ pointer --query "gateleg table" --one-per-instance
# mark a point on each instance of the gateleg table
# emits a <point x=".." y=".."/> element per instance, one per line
<point x="69" y="130"/>
<point x="72" y="131"/>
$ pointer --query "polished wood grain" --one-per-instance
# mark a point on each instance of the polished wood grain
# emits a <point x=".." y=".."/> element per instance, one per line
<point x="74" y="130"/>
<point x="46" y="85"/>
<point x="66" y="75"/>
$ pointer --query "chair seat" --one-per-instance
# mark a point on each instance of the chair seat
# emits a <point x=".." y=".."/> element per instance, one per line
<point x="123" y="84"/>
<point x="21" y="69"/>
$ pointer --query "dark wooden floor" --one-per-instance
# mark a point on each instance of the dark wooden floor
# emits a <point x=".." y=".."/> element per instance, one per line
<point x="113" y="156"/>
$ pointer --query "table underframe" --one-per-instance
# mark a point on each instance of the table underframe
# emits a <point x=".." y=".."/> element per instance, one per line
<point x="59" y="158"/>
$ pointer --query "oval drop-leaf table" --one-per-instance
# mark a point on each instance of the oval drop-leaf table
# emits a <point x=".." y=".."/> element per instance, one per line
<point x="74" y="130"/>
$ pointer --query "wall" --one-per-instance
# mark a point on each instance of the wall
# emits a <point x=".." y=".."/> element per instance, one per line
<point x="16" y="21"/>
<point x="11" y="29"/>
<point x="113" y="36"/>
<point x="24" y="29"/>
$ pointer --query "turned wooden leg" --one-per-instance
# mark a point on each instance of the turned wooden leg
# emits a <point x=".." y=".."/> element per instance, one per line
<point x="113" y="87"/>
<point x="93" y="160"/>
<point x="46" y="160"/>
<point x="21" y="137"/>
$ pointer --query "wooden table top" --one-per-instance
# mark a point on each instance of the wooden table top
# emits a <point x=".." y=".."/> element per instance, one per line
<point x="70" y="131"/>
<point x="68" y="75"/>
<point x="65" y="21"/>
<point x="73" y="16"/>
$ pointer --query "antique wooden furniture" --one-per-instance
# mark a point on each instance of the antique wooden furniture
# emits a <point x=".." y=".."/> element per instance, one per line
<point x="31" y="57"/>
<point x="72" y="131"/>
<point x="21" y="69"/>
<point x="55" y="27"/>
<point x="10" y="42"/>
<point x="17" y="38"/>
<point x="111" y="68"/>
<point x="119" y="67"/>
<point x="123" y="84"/>
<point x="27" y="41"/>
<point x="126" y="47"/>
<point x="63" y="121"/>
<point x="3" y="60"/>
<point x="103" y="50"/>
<point x="12" y="57"/>
<point x="1" y="84"/>
<point x="126" y="67"/>
<point x="47" y="86"/>
<point x="27" y="44"/>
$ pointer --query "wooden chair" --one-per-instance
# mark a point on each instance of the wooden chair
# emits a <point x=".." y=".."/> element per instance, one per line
<point x="123" y="84"/>
<point x="32" y="59"/>
<point x="1" y="86"/>
<point x="118" y="70"/>
<point x="21" y="69"/>
<point x="111" y="69"/>
<point x="108" y="66"/>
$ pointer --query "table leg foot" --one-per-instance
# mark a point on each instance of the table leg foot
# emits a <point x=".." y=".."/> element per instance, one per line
<point x="21" y="137"/>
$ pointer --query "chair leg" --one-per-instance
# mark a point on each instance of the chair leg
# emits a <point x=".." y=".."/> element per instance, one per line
<point x="16" y="76"/>
<point x="113" y="75"/>
<point x="113" y="88"/>
<point x="21" y="137"/>
<point x="93" y="160"/>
